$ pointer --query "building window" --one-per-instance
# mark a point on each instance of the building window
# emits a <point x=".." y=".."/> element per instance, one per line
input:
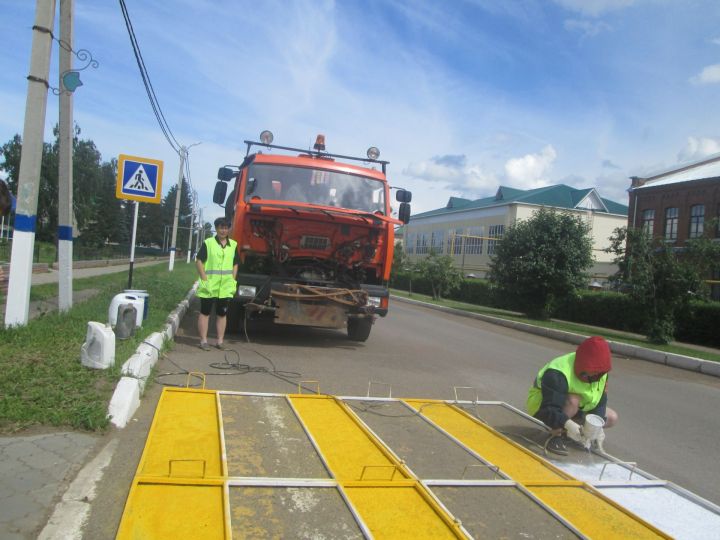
<point x="697" y="220"/>
<point x="474" y="241"/>
<point x="648" y="222"/>
<point x="437" y="242"/>
<point x="410" y="243"/>
<point x="455" y="241"/>
<point x="671" y="224"/>
<point x="496" y="231"/>
<point x="422" y="244"/>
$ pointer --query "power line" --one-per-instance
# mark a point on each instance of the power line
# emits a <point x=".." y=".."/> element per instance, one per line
<point x="155" y="104"/>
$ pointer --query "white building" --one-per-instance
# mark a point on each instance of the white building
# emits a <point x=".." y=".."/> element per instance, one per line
<point x="469" y="230"/>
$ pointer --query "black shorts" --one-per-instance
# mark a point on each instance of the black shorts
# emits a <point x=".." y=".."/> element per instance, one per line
<point x="221" y="306"/>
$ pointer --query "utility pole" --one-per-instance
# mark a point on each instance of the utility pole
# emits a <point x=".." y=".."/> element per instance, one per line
<point x="65" y="172"/>
<point x="183" y="153"/>
<point x="190" y="234"/>
<point x="183" y="157"/>
<point x="18" y="298"/>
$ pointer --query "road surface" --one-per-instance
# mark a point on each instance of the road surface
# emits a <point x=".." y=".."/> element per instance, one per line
<point x="668" y="419"/>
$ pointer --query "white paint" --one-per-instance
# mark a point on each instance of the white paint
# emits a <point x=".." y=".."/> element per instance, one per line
<point x="669" y="511"/>
<point x="590" y="472"/>
<point x="71" y="513"/>
<point x="138" y="367"/>
<point x="125" y="401"/>
<point x="303" y="500"/>
<point x="65" y="278"/>
<point x="17" y="304"/>
<point x="276" y="429"/>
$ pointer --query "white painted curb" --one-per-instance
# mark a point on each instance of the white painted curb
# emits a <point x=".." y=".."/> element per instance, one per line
<point x="689" y="363"/>
<point x="126" y="398"/>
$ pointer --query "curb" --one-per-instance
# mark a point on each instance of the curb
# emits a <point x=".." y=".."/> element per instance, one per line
<point x="126" y="398"/>
<point x="688" y="363"/>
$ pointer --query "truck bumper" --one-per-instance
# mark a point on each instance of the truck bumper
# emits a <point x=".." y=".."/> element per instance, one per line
<point x="257" y="288"/>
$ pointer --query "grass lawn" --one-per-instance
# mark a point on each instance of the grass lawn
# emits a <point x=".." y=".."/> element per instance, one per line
<point x="567" y="327"/>
<point x="43" y="381"/>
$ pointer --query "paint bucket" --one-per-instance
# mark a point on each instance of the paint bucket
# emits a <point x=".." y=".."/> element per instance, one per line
<point x="144" y="296"/>
<point x="98" y="351"/>
<point x="593" y="427"/>
<point x="124" y="298"/>
<point x="126" y="317"/>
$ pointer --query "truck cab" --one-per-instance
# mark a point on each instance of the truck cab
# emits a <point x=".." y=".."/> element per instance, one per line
<point x="315" y="235"/>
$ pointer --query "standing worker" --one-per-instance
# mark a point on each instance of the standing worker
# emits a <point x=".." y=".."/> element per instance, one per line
<point x="570" y="387"/>
<point x="217" y="263"/>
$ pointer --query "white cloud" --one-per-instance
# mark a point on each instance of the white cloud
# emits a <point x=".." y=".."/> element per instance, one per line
<point x="709" y="75"/>
<point x="585" y="27"/>
<point x="453" y="172"/>
<point x="530" y="171"/>
<point x="698" y="148"/>
<point x="594" y="8"/>
<point x="716" y="41"/>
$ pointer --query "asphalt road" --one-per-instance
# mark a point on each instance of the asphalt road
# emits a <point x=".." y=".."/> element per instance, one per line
<point x="668" y="423"/>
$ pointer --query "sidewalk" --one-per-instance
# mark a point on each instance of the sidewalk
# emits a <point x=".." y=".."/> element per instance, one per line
<point x="37" y="466"/>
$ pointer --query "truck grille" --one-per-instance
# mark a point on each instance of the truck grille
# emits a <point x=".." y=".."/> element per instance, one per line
<point x="314" y="242"/>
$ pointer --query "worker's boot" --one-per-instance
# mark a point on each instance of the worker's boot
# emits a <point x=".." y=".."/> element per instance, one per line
<point x="556" y="445"/>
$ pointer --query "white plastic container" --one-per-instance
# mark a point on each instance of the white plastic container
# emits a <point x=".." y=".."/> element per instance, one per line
<point x="124" y="298"/>
<point x="144" y="296"/>
<point x="98" y="351"/>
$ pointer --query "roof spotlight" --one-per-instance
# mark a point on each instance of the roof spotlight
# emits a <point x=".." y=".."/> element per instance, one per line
<point x="373" y="152"/>
<point x="266" y="137"/>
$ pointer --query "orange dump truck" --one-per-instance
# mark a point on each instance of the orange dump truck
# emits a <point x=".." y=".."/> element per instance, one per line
<point x="315" y="235"/>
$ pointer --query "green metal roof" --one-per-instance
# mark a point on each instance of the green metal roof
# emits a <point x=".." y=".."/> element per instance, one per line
<point x="557" y="196"/>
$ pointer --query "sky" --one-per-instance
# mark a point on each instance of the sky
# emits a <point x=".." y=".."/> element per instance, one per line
<point x="460" y="96"/>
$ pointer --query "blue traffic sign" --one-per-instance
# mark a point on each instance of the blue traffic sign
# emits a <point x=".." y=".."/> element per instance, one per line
<point x="139" y="179"/>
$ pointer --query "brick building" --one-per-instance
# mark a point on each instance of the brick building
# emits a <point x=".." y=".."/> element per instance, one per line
<point x="678" y="204"/>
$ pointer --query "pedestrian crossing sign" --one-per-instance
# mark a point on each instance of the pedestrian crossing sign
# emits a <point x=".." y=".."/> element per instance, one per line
<point x="139" y="179"/>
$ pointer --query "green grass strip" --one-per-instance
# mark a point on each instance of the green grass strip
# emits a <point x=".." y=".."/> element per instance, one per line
<point x="576" y="328"/>
<point x="42" y="379"/>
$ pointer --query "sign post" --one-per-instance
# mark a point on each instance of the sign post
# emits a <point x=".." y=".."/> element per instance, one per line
<point x="140" y="180"/>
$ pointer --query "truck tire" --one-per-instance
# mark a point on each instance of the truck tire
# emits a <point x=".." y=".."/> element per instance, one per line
<point x="358" y="329"/>
<point x="235" y="318"/>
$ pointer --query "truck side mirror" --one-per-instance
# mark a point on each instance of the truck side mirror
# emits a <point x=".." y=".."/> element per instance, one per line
<point x="220" y="192"/>
<point x="403" y="196"/>
<point x="225" y="174"/>
<point x="404" y="213"/>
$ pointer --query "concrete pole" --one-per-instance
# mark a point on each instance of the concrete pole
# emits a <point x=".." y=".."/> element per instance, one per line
<point x="190" y="235"/>
<point x="183" y="153"/>
<point x="18" y="297"/>
<point x="65" y="173"/>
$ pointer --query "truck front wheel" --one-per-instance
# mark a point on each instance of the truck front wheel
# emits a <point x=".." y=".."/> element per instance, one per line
<point x="358" y="329"/>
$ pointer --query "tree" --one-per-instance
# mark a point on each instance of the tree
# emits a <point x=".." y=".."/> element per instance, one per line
<point x="661" y="281"/>
<point x="542" y="259"/>
<point x="441" y="272"/>
<point x="400" y="259"/>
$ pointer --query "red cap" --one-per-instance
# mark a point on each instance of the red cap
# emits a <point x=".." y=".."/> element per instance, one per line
<point x="593" y="355"/>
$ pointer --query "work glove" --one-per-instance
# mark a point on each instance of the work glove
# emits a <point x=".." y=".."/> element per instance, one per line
<point x="574" y="432"/>
<point x="599" y="440"/>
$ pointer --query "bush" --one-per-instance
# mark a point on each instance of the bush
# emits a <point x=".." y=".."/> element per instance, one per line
<point x="613" y="310"/>
<point x="699" y="324"/>
<point x="601" y="308"/>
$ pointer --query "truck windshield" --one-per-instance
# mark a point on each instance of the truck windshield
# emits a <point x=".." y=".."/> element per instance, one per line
<point x="315" y="186"/>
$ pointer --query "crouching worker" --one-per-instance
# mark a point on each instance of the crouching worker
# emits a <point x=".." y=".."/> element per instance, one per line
<point x="570" y="387"/>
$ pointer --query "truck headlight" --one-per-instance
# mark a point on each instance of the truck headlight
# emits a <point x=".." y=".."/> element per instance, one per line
<point x="247" y="291"/>
<point x="374" y="301"/>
